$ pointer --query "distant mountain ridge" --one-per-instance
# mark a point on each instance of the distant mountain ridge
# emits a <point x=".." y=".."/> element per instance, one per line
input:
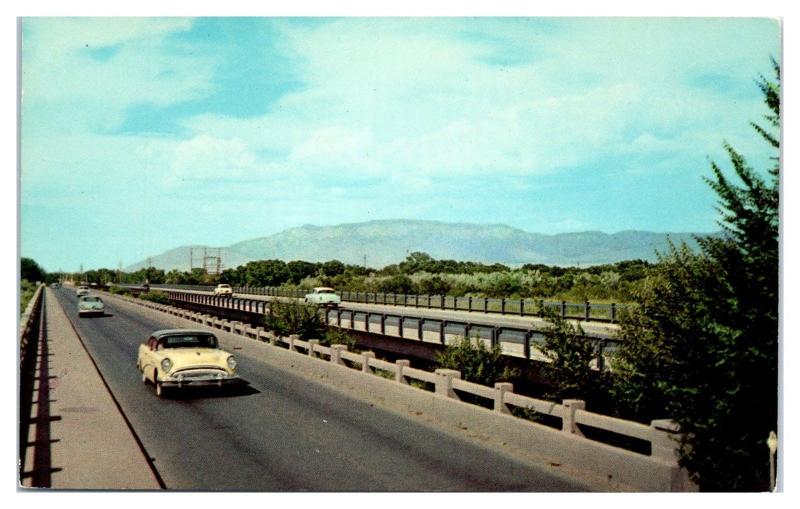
<point x="389" y="241"/>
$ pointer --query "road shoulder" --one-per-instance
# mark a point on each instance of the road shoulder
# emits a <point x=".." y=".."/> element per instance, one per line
<point x="78" y="439"/>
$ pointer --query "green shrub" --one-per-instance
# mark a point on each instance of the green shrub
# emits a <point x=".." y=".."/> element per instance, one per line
<point x="570" y="371"/>
<point x="286" y="317"/>
<point x="476" y="362"/>
<point x="338" y="337"/>
<point x="27" y="289"/>
<point x="155" y="296"/>
<point x="118" y="290"/>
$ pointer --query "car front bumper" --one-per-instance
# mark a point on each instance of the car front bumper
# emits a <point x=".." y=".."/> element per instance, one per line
<point x="200" y="381"/>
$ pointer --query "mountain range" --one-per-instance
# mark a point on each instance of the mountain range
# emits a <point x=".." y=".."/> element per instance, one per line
<point x="390" y="241"/>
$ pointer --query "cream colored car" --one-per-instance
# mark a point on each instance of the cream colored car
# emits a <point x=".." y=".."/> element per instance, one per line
<point x="223" y="290"/>
<point x="179" y="358"/>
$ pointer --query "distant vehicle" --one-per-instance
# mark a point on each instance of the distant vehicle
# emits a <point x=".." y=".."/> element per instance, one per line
<point x="223" y="290"/>
<point x="323" y="296"/>
<point x="146" y="287"/>
<point x="90" y="305"/>
<point x="178" y="358"/>
<point x="55" y="285"/>
<point x="82" y="290"/>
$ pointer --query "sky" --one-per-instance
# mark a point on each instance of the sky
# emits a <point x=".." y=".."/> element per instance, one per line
<point x="139" y="135"/>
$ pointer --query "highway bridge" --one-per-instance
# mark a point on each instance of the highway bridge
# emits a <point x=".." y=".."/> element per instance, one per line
<point x="299" y="423"/>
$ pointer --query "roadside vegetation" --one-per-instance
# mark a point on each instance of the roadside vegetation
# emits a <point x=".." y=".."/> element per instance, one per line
<point x="27" y="289"/>
<point x="155" y="296"/>
<point x="30" y="274"/>
<point x="476" y="362"/>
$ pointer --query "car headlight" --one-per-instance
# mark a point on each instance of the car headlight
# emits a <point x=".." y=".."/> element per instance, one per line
<point x="232" y="362"/>
<point x="166" y="365"/>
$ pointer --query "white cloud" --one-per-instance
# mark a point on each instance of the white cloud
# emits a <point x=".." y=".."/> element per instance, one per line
<point x="205" y="158"/>
<point x="397" y="97"/>
<point x="65" y="84"/>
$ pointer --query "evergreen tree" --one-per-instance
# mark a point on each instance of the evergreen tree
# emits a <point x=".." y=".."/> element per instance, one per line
<point x="703" y="346"/>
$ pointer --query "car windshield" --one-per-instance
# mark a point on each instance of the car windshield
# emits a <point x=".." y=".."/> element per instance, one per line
<point x="189" y="341"/>
<point x="223" y="286"/>
<point x="325" y="291"/>
<point x="91" y="299"/>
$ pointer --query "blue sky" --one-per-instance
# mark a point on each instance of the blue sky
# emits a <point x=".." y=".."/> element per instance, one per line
<point x="139" y="135"/>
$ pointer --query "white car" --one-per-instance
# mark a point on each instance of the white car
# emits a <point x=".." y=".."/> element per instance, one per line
<point x="223" y="290"/>
<point x="82" y="290"/>
<point x="90" y="305"/>
<point x="323" y="296"/>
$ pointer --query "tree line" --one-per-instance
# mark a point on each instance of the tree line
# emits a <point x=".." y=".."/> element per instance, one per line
<point x="419" y="273"/>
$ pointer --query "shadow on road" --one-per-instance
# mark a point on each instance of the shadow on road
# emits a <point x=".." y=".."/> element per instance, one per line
<point x="35" y="405"/>
<point x="232" y="391"/>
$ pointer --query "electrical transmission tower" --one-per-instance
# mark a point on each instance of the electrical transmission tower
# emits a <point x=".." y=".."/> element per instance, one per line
<point x="208" y="258"/>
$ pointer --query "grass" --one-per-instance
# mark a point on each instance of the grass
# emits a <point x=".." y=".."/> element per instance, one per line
<point x="27" y="289"/>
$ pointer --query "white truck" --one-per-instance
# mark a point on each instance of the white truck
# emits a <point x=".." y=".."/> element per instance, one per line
<point x="323" y="296"/>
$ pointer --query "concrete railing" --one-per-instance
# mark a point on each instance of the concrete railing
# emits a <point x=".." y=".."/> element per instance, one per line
<point x="661" y="435"/>
<point x="28" y="322"/>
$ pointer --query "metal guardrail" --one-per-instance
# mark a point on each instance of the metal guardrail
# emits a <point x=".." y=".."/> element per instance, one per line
<point x="514" y="341"/>
<point x="587" y="311"/>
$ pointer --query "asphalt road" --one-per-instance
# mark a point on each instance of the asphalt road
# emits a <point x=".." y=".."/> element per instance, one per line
<point x="286" y="433"/>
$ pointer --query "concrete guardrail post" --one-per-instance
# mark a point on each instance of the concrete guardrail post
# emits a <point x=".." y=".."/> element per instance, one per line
<point x="259" y="333"/>
<point x="312" y="344"/>
<point x="399" y="365"/>
<point x="291" y="340"/>
<point x="500" y="390"/>
<point x="444" y="382"/>
<point x="664" y="445"/>
<point x="568" y="424"/>
<point x="336" y="353"/>
<point x="365" y="357"/>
